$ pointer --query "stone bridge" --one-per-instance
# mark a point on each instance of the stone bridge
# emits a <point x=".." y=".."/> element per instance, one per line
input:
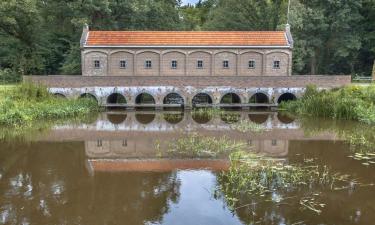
<point x="178" y="91"/>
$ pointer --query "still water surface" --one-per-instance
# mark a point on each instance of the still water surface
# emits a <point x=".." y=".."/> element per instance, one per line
<point x="116" y="170"/>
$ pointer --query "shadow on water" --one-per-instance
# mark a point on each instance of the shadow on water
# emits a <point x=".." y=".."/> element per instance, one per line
<point x="148" y="167"/>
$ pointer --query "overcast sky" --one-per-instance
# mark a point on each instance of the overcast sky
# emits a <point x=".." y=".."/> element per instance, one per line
<point x="184" y="2"/>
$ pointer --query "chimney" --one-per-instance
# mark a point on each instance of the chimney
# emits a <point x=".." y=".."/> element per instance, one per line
<point x="85" y="32"/>
<point x="289" y="35"/>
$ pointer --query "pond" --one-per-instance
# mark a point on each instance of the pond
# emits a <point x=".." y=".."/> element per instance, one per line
<point x="143" y="168"/>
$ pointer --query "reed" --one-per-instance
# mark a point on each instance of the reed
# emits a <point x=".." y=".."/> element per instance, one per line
<point x="26" y="103"/>
<point x="350" y="103"/>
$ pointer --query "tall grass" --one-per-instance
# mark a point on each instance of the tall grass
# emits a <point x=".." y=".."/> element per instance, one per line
<point x="350" y="103"/>
<point x="26" y="103"/>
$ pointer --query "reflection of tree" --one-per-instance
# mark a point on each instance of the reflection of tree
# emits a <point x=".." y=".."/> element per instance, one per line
<point x="51" y="186"/>
<point x="132" y="197"/>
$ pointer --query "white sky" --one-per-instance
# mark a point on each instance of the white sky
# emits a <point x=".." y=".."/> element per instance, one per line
<point x="184" y="2"/>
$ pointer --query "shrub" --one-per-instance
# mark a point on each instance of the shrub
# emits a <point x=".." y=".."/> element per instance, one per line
<point x="352" y="103"/>
<point x="27" y="102"/>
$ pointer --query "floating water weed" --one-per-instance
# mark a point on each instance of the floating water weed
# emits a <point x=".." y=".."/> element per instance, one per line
<point x="194" y="145"/>
<point x="247" y="126"/>
<point x="256" y="175"/>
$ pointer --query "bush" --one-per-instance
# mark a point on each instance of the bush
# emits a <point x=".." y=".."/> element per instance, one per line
<point x="352" y="103"/>
<point x="27" y="102"/>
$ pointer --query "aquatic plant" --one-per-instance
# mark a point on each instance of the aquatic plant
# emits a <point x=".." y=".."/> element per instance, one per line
<point x="206" y="112"/>
<point x="255" y="175"/>
<point x="247" y="126"/>
<point x="360" y="136"/>
<point x="351" y="103"/>
<point x="197" y="146"/>
<point x="25" y="103"/>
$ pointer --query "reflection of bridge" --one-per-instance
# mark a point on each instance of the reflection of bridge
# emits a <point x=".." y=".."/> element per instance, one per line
<point x="118" y="141"/>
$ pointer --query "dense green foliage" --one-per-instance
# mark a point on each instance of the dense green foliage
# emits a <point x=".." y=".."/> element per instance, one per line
<point x="42" y="37"/>
<point x="352" y="103"/>
<point x="26" y="103"/>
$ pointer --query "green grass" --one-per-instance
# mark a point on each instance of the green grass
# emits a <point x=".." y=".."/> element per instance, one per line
<point x="26" y="103"/>
<point x="350" y="103"/>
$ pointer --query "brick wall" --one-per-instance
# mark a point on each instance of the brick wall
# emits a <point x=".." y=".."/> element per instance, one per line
<point x="195" y="81"/>
<point x="187" y="62"/>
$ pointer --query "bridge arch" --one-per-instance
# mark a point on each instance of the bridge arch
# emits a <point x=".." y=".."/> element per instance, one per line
<point x="116" y="98"/>
<point x="230" y="98"/>
<point x="285" y="97"/>
<point x="59" y="95"/>
<point x="260" y="98"/>
<point x="89" y="96"/>
<point x="173" y="98"/>
<point x="144" y="98"/>
<point x="202" y="98"/>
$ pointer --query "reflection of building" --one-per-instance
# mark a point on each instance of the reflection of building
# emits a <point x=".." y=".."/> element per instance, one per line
<point x="145" y="147"/>
<point x="118" y="141"/>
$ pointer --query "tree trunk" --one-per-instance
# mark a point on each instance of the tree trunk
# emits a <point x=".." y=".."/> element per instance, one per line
<point x="373" y="71"/>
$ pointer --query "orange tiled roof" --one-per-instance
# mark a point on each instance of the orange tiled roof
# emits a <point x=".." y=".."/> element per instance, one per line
<point x="186" y="38"/>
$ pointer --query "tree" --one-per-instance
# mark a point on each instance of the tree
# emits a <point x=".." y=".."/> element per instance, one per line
<point x="247" y="15"/>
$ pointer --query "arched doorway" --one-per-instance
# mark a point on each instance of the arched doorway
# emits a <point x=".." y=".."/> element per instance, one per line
<point x="116" y="98"/>
<point x="202" y="98"/>
<point x="286" y="97"/>
<point x="259" y="98"/>
<point x="230" y="98"/>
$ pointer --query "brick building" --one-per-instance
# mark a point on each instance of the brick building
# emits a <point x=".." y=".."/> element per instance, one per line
<point x="186" y="53"/>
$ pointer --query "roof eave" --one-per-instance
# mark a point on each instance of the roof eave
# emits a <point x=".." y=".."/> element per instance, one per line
<point x="190" y="46"/>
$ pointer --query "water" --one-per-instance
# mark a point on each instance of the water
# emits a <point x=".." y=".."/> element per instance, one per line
<point x="116" y="169"/>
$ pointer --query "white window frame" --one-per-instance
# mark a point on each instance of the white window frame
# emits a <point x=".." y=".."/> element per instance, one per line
<point x="276" y="64"/>
<point x="123" y="66"/>
<point x="201" y="66"/>
<point x="253" y="62"/>
<point x="97" y="64"/>
<point x="226" y="64"/>
<point x="172" y="64"/>
<point x="148" y="64"/>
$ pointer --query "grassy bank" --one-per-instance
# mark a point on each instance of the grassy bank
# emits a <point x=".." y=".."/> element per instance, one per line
<point x="351" y="103"/>
<point x="26" y="103"/>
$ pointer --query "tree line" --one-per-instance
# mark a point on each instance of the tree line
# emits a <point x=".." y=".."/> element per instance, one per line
<point x="42" y="36"/>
